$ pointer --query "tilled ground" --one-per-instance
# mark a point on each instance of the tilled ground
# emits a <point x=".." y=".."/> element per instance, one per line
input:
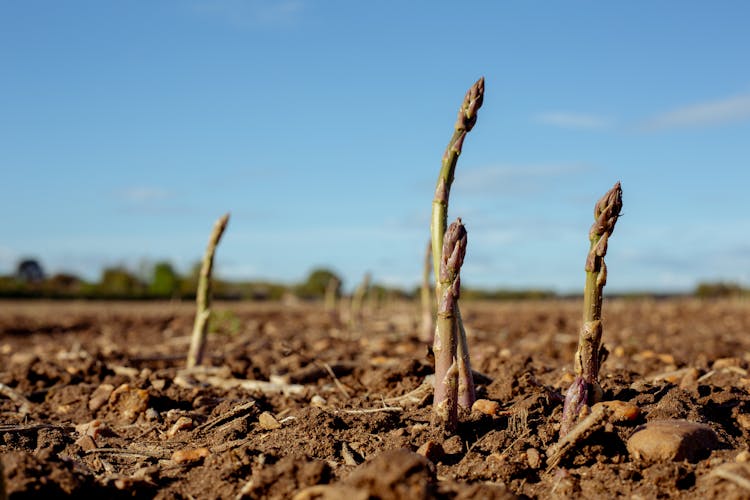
<point x="95" y="402"/>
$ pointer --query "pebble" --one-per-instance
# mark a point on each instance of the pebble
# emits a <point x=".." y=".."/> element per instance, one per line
<point x="743" y="456"/>
<point x="726" y="363"/>
<point x="318" y="401"/>
<point x="486" y="406"/>
<point x="190" y="455"/>
<point x="183" y="423"/>
<point x="672" y="440"/>
<point x="432" y="451"/>
<point x="100" y="396"/>
<point x="622" y="411"/>
<point x="744" y="420"/>
<point x="533" y="458"/>
<point x="94" y="429"/>
<point x="268" y="421"/>
<point x="129" y="401"/>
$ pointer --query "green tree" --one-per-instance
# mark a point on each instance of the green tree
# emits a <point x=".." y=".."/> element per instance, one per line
<point x="165" y="282"/>
<point x="317" y="282"/>
<point x="118" y="281"/>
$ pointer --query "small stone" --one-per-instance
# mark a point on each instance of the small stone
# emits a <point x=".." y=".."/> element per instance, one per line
<point x="622" y="411"/>
<point x="100" y="396"/>
<point x="672" y="440"/>
<point x="533" y="457"/>
<point x="744" y="420"/>
<point x="726" y="363"/>
<point x="190" y="455"/>
<point x="268" y="421"/>
<point x="667" y="359"/>
<point x="318" y="401"/>
<point x="432" y="451"/>
<point x="486" y="406"/>
<point x="159" y="384"/>
<point x="129" y="402"/>
<point x="743" y="456"/>
<point x="183" y="423"/>
<point x="690" y="378"/>
<point x="152" y="415"/>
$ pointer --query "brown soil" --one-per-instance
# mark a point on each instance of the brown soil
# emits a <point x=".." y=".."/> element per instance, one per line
<point x="109" y="411"/>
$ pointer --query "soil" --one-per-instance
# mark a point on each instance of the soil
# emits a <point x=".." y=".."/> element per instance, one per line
<point x="297" y="402"/>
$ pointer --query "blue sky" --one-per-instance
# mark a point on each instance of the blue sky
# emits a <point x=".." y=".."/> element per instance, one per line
<point x="128" y="128"/>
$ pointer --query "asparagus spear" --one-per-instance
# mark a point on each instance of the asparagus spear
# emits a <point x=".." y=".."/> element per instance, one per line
<point x="467" y="118"/>
<point x="203" y="295"/>
<point x="446" y="335"/>
<point x="427" y="333"/>
<point x="585" y="389"/>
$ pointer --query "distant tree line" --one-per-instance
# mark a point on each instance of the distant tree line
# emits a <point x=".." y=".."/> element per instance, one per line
<point x="162" y="281"/>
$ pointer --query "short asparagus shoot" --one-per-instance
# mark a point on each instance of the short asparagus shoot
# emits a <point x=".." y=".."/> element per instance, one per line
<point x="585" y="389"/>
<point x="203" y="295"/>
<point x="445" y="403"/>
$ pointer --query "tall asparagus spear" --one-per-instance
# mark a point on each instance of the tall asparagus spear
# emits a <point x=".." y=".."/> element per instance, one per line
<point x="203" y="295"/>
<point x="467" y="118"/>
<point x="585" y="389"/>
<point x="446" y="335"/>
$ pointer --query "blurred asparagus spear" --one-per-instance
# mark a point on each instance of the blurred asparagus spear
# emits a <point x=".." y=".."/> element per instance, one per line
<point x="467" y="118"/>
<point x="585" y="389"/>
<point x="203" y="295"/>
<point x="447" y="332"/>
<point x="427" y="333"/>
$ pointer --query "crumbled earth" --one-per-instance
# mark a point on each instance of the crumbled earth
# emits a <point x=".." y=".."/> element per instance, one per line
<point x="297" y="402"/>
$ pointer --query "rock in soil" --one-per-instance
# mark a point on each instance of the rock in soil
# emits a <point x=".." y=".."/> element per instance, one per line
<point x="672" y="440"/>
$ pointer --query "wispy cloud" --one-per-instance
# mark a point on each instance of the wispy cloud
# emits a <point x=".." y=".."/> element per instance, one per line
<point x="515" y="179"/>
<point x="250" y="13"/>
<point x="705" y="114"/>
<point x="143" y="195"/>
<point x="572" y="120"/>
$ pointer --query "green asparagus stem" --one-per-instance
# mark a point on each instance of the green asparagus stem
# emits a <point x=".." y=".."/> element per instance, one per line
<point x="427" y="333"/>
<point x="358" y="300"/>
<point x="467" y="118"/>
<point x="446" y="335"/>
<point x="203" y="295"/>
<point x="585" y="389"/>
<point x="331" y="294"/>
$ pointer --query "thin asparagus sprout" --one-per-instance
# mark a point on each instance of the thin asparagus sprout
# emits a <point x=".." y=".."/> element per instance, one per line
<point x="427" y="333"/>
<point x="446" y="335"/>
<point x="358" y="300"/>
<point x="203" y="295"/>
<point x="585" y="389"/>
<point x="332" y="288"/>
<point x="467" y="118"/>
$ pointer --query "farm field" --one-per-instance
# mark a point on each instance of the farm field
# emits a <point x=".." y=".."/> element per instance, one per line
<point x="297" y="402"/>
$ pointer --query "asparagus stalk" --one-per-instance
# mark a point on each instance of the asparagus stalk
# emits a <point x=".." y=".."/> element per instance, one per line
<point x="447" y="332"/>
<point x="332" y="289"/>
<point x="427" y="333"/>
<point x="203" y="295"/>
<point x="467" y="118"/>
<point x="358" y="300"/>
<point x="585" y="389"/>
